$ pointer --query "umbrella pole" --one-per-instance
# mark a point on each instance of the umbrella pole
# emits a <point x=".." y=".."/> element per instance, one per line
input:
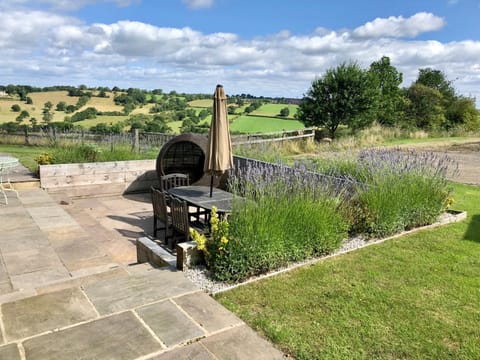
<point x="211" y="185"/>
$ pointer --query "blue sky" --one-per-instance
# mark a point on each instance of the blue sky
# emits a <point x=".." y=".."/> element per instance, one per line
<point x="262" y="47"/>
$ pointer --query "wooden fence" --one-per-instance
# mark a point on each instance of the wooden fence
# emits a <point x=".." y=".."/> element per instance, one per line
<point x="140" y="140"/>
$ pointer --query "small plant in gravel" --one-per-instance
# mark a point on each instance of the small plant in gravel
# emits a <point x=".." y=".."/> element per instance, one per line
<point x="215" y="244"/>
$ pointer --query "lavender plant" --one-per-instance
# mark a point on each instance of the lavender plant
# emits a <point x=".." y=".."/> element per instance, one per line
<point x="401" y="188"/>
<point x="289" y="216"/>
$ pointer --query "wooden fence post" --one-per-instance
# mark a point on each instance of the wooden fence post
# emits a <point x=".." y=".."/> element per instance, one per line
<point x="27" y="140"/>
<point x="136" y="141"/>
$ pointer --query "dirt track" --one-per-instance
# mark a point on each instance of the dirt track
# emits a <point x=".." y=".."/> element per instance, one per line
<point x="468" y="157"/>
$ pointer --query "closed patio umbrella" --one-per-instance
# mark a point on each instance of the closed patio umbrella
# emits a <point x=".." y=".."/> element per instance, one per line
<point x="219" y="150"/>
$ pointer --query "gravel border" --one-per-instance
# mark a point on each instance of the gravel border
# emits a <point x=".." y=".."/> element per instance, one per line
<point x="199" y="275"/>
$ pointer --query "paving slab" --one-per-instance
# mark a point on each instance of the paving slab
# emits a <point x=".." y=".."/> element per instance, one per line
<point x="30" y="260"/>
<point x="51" y="217"/>
<point x="84" y="277"/>
<point x="64" y="235"/>
<point x="5" y="287"/>
<point x="241" y="343"/>
<point x="35" y="197"/>
<point x="31" y="316"/>
<point x="38" y="278"/>
<point x="193" y="351"/>
<point x="207" y="312"/>
<point x="26" y="238"/>
<point x="13" y="221"/>
<point x="82" y="253"/>
<point x="10" y="352"/>
<point x="170" y="324"/>
<point x="117" y="337"/>
<point x="114" y="295"/>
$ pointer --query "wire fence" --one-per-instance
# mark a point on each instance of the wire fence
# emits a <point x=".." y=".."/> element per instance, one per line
<point x="137" y="140"/>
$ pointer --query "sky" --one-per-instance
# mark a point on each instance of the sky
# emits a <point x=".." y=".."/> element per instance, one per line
<point x="263" y="47"/>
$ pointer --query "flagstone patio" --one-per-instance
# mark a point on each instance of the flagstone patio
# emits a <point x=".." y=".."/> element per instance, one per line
<point x="70" y="288"/>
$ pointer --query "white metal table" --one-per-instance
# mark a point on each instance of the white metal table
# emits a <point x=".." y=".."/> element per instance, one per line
<point x="7" y="163"/>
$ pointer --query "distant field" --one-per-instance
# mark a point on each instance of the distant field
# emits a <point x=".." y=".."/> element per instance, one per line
<point x="100" y="119"/>
<point x="204" y="103"/>
<point x="274" y="110"/>
<point x="40" y="98"/>
<point x="7" y="115"/>
<point x="102" y="104"/>
<point x="255" y="124"/>
<point x="145" y="109"/>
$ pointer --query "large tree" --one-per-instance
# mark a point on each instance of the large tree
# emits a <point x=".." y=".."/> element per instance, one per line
<point x="343" y="96"/>
<point x="425" y="107"/>
<point x="437" y="80"/>
<point x="387" y="80"/>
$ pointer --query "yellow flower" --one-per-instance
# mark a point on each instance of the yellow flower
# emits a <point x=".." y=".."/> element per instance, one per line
<point x="224" y="240"/>
<point x="200" y="239"/>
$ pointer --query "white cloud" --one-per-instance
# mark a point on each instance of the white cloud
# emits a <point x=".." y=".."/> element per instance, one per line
<point x="400" y="27"/>
<point x="44" y="48"/>
<point x="198" y="4"/>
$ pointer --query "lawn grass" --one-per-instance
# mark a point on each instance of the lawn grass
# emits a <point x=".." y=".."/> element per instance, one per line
<point x="256" y="124"/>
<point x="26" y="154"/>
<point x="432" y="141"/>
<point x="413" y="297"/>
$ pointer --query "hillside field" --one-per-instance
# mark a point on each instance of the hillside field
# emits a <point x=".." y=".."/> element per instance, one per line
<point x="274" y="110"/>
<point x="256" y="124"/>
<point x="263" y="119"/>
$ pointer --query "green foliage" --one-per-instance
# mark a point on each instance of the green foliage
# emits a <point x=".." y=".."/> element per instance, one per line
<point x="463" y="113"/>
<point x="82" y="101"/>
<point x="15" y="108"/>
<point x="44" y="159"/>
<point x="88" y="113"/>
<point x="23" y="115"/>
<point x="61" y="106"/>
<point x="102" y="128"/>
<point x="436" y="79"/>
<point x="91" y="153"/>
<point x="425" y="108"/>
<point x="387" y="80"/>
<point x="345" y="95"/>
<point x="284" y="112"/>
<point x="47" y="114"/>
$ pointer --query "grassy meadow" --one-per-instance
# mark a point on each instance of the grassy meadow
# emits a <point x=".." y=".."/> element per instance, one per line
<point x="203" y="103"/>
<point x="274" y="110"/>
<point x="259" y="124"/>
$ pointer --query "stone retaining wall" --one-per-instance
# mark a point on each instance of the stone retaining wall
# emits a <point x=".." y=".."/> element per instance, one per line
<point x="95" y="179"/>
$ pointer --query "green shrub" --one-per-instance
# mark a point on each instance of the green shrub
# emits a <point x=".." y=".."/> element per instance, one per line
<point x="396" y="189"/>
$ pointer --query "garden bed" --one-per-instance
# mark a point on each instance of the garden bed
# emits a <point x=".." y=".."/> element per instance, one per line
<point x="200" y="275"/>
<point x="306" y="211"/>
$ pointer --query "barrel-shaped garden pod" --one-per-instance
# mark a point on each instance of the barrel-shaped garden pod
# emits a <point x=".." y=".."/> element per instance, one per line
<point x="184" y="154"/>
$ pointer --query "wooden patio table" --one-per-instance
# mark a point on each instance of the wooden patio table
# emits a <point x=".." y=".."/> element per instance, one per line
<point x="199" y="196"/>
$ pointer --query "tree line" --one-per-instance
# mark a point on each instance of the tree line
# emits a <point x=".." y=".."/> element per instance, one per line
<point x="348" y="95"/>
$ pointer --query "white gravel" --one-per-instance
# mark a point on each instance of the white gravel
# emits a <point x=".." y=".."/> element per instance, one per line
<point x="199" y="275"/>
